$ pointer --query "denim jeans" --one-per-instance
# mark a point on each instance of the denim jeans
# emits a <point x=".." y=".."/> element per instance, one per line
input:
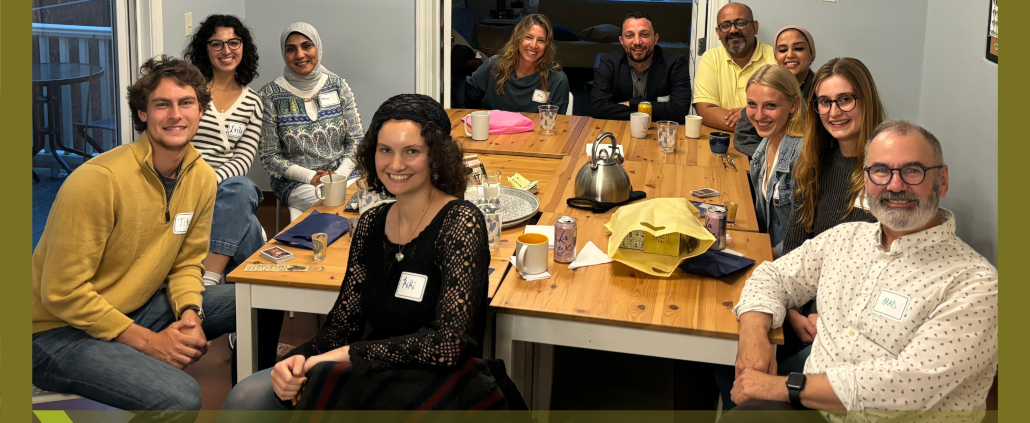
<point x="68" y="360"/>
<point x="235" y="230"/>
<point x="254" y="393"/>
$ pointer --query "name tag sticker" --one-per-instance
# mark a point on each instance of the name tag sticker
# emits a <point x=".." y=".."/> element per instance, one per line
<point x="664" y="99"/>
<point x="540" y="96"/>
<point x="329" y="99"/>
<point x="234" y="130"/>
<point x="891" y="304"/>
<point x="411" y="286"/>
<point x="181" y="223"/>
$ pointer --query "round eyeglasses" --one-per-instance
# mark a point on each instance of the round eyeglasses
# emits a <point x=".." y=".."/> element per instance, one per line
<point x="218" y="45"/>
<point x="845" y="103"/>
<point x="739" y="23"/>
<point x="912" y="174"/>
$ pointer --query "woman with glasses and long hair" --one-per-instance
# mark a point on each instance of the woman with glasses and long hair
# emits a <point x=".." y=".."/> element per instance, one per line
<point x="524" y="74"/>
<point x="311" y="124"/>
<point x="828" y="177"/>
<point x="227" y="139"/>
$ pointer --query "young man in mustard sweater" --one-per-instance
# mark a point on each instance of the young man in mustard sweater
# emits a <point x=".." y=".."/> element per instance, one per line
<point x="118" y="305"/>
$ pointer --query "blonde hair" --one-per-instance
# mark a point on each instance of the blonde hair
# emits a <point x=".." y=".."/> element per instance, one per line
<point x="818" y="140"/>
<point x="780" y="79"/>
<point x="509" y="56"/>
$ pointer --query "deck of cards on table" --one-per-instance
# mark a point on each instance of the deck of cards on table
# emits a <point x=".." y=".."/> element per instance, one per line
<point x="276" y="255"/>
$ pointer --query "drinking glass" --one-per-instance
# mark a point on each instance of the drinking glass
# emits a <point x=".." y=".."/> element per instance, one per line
<point x="472" y="189"/>
<point x="548" y="119"/>
<point x="493" y="229"/>
<point x="667" y="136"/>
<point x="492" y="190"/>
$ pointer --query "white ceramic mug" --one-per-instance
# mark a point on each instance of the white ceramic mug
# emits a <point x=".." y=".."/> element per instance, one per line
<point x="692" y="126"/>
<point x="480" y="122"/>
<point x="332" y="190"/>
<point x="638" y="124"/>
<point x="531" y="253"/>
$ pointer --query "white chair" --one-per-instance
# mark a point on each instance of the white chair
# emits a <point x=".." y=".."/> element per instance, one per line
<point x="569" y="112"/>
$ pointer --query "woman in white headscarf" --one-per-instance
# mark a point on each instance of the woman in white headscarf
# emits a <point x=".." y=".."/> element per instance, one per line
<point x="311" y="124"/>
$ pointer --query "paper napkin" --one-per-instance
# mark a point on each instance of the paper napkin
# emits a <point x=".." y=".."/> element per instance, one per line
<point x="534" y="277"/>
<point x="589" y="256"/>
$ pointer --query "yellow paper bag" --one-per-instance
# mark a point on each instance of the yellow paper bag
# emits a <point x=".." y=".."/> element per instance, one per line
<point x="658" y="217"/>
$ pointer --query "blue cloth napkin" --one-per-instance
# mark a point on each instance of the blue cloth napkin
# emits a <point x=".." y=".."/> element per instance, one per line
<point x="715" y="264"/>
<point x="300" y="234"/>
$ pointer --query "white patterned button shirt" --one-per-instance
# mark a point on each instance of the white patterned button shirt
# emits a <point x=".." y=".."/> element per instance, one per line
<point x="915" y="328"/>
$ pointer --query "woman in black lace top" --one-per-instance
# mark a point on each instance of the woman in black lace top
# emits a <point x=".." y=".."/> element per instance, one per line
<point x="417" y="272"/>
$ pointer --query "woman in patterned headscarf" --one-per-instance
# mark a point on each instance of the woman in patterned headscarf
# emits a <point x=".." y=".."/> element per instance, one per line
<point x="311" y="124"/>
<point x="417" y="270"/>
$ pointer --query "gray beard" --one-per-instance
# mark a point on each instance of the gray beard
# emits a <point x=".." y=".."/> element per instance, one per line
<point x="736" y="47"/>
<point x="904" y="220"/>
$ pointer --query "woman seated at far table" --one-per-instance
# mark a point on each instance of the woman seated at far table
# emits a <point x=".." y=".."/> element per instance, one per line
<point x="429" y="232"/>
<point x="775" y="106"/>
<point x="524" y="75"/>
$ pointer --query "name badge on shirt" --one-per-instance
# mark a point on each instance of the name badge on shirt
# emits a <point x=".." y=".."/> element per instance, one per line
<point x="329" y="99"/>
<point x="664" y="99"/>
<point x="891" y="304"/>
<point x="411" y="286"/>
<point x="540" y="96"/>
<point x="181" y="223"/>
<point x="234" y="130"/>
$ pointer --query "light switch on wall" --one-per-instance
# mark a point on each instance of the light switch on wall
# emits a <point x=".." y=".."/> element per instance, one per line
<point x="189" y="23"/>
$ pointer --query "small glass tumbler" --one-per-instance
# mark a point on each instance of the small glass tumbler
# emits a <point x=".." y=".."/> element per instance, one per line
<point x="493" y="229"/>
<point x="548" y="119"/>
<point x="472" y="189"/>
<point x="492" y="190"/>
<point x="667" y="136"/>
<point x="319" y="245"/>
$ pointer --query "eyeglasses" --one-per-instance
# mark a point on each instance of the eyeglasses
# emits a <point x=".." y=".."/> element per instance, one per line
<point x="845" y="103"/>
<point x="912" y="174"/>
<point x="218" y="45"/>
<point x="739" y="23"/>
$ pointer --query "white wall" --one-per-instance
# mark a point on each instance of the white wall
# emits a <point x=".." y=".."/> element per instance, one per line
<point x="886" y="35"/>
<point x="370" y="44"/>
<point x="959" y="104"/>
<point x="174" y="19"/>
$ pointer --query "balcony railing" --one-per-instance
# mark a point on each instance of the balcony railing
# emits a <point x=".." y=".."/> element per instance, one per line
<point x="76" y="41"/>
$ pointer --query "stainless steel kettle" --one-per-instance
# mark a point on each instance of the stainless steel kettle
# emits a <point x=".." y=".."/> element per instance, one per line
<point x="604" y="179"/>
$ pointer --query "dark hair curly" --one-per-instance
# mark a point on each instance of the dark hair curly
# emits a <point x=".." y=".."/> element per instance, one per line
<point x="445" y="155"/>
<point x="151" y="74"/>
<point x="196" y="50"/>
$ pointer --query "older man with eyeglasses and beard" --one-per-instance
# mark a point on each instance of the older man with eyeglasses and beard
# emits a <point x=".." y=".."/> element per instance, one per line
<point x="908" y="312"/>
<point x="722" y="75"/>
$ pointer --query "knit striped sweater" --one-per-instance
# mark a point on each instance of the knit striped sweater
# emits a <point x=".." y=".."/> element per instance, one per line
<point x="833" y="204"/>
<point x="229" y="142"/>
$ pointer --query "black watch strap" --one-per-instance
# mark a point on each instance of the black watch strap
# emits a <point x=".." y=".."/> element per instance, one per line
<point x="200" y="311"/>
<point x="795" y="383"/>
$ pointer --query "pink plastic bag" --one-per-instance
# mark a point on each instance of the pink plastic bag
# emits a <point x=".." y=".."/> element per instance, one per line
<point x="505" y="122"/>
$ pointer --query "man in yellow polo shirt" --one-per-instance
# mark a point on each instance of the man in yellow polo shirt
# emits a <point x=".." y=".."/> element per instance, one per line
<point x="722" y="76"/>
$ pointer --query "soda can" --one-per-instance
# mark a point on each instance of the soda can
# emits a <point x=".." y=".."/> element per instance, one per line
<point x="715" y="222"/>
<point x="565" y="240"/>
<point x="319" y="245"/>
<point x="731" y="213"/>
<point x="645" y="107"/>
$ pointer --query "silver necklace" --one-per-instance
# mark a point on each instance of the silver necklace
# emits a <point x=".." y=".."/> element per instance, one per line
<point x="400" y="250"/>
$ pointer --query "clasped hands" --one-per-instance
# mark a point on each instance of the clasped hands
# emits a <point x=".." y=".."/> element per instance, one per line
<point x="290" y="375"/>
<point x="756" y="377"/>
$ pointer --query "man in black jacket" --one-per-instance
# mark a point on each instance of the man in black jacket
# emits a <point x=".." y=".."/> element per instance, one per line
<point x="643" y="72"/>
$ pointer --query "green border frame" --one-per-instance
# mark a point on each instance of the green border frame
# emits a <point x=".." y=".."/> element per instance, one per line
<point x="16" y="212"/>
<point x="15" y="221"/>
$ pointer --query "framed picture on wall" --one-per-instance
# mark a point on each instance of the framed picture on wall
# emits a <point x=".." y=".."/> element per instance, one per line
<point x="992" y="32"/>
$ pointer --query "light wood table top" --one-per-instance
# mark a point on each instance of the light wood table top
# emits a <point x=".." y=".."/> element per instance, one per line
<point x="329" y="274"/>
<point x="616" y="294"/>
<point x="688" y="151"/>
<point x="531" y="143"/>
<point x="658" y="180"/>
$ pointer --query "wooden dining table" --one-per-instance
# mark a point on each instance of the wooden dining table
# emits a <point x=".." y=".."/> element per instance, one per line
<point x="687" y="151"/>
<point x="532" y="143"/>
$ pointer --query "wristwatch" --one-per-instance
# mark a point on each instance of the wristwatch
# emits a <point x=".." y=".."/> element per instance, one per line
<point x="795" y="383"/>
<point x="200" y="311"/>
